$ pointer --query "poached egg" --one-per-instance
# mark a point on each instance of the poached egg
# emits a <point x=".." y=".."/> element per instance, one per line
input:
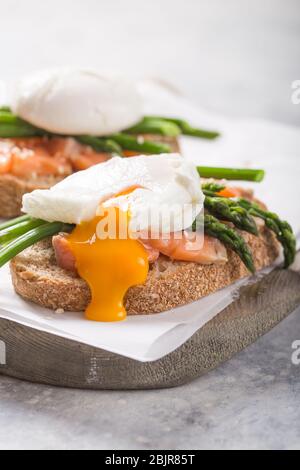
<point x="167" y="195"/>
<point x="71" y="101"/>
<point x="160" y="194"/>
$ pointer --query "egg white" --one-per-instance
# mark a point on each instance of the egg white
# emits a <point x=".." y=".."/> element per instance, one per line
<point x="169" y="190"/>
<point x="77" y="101"/>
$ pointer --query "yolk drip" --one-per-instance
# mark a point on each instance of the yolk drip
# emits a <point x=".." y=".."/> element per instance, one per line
<point x="110" y="267"/>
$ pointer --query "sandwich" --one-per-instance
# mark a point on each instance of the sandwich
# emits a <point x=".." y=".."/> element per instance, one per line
<point x="140" y="235"/>
<point x="65" y="120"/>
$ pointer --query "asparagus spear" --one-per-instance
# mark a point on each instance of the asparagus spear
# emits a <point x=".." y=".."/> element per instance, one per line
<point x="14" y="222"/>
<point x="238" y="174"/>
<point x="227" y="209"/>
<point x="186" y="128"/>
<point x="28" y="239"/>
<point x="100" y="145"/>
<point x="127" y="142"/>
<point x="14" y="231"/>
<point x="11" y="126"/>
<point x="155" y="126"/>
<point x="5" y="108"/>
<point x="282" y="229"/>
<point x="230" y="238"/>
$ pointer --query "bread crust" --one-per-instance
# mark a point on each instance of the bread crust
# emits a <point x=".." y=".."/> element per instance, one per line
<point x="36" y="277"/>
<point x="13" y="188"/>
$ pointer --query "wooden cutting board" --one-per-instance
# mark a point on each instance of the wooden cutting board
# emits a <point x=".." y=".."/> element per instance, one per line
<point x="45" y="358"/>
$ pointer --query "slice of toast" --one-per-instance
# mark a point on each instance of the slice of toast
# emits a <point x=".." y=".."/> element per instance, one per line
<point x="12" y="188"/>
<point x="37" y="278"/>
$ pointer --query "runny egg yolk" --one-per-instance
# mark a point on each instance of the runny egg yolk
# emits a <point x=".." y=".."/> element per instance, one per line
<point x="109" y="266"/>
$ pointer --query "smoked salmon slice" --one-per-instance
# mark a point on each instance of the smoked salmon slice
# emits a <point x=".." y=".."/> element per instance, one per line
<point x="190" y="246"/>
<point x="196" y="248"/>
<point x="64" y="256"/>
<point x="5" y="158"/>
<point x="85" y="161"/>
<point x="42" y="156"/>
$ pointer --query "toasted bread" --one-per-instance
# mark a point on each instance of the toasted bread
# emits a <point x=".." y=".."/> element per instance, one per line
<point x="13" y="188"/>
<point x="36" y="277"/>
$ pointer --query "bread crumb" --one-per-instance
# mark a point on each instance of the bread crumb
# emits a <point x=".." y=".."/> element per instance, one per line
<point x="60" y="311"/>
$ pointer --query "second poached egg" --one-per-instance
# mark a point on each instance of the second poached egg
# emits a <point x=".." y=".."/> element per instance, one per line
<point x="71" y="101"/>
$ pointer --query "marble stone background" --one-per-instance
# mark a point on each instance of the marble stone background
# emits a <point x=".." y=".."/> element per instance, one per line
<point x="237" y="57"/>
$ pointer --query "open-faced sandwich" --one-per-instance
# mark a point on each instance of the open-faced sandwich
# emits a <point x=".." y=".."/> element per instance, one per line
<point x="139" y="235"/>
<point x="65" y="120"/>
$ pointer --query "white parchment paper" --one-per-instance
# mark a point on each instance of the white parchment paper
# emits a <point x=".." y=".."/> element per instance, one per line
<point x="261" y="144"/>
<point x="144" y="338"/>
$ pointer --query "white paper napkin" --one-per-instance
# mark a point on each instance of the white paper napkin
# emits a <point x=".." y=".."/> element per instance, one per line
<point x="243" y="143"/>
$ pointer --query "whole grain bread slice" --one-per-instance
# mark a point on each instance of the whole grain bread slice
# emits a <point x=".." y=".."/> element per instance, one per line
<point x="13" y="188"/>
<point x="37" y="278"/>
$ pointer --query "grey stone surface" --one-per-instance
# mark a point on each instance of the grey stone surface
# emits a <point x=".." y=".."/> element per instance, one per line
<point x="251" y="402"/>
<point x="237" y="57"/>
